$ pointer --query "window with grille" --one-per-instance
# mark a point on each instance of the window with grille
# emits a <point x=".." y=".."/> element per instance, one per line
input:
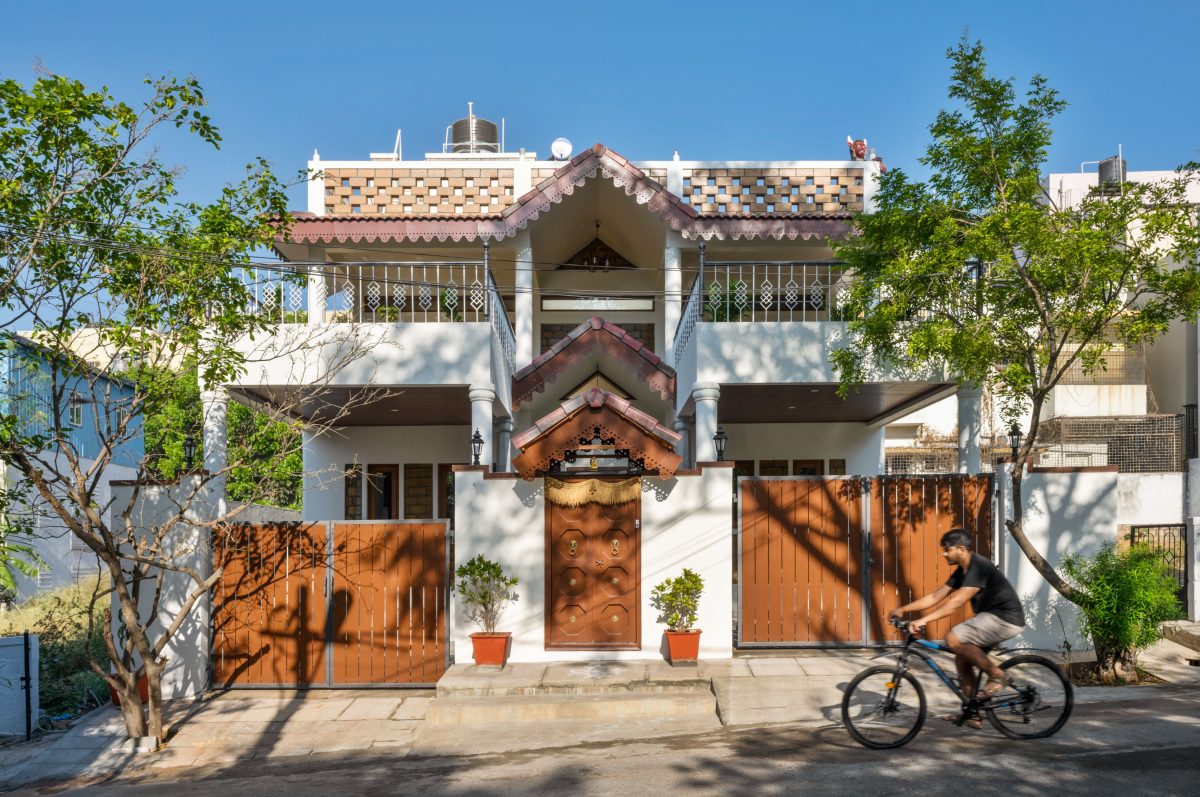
<point x="75" y="410"/>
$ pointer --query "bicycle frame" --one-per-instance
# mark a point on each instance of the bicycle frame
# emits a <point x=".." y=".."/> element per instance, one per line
<point x="943" y="676"/>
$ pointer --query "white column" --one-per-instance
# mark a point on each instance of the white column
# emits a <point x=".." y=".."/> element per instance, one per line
<point x="316" y="186"/>
<point x="681" y="428"/>
<point x="318" y="301"/>
<point x="969" y="399"/>
<point x="705" y="395"/>
<point x="672" y="279"/>
<point x="482" y="397"/>
<point x="523" y="316"/>
<point x="504" y="445"/>
<point x="215" y="406"/>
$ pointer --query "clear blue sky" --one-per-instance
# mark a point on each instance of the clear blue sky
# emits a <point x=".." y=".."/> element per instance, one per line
<point x="715" y="80"/>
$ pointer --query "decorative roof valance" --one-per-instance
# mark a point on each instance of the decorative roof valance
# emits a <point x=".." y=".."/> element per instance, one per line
<point x="642" y="438"/>
<point x="585" y="340"/>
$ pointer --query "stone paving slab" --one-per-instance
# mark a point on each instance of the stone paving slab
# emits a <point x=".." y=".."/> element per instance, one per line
<point x="370" y="708"/>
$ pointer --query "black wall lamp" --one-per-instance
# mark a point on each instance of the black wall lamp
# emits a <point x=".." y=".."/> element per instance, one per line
<point x="476" y="447"/>
<point x="719" y="440"/>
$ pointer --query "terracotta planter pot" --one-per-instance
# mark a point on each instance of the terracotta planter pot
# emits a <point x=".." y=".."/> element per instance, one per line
<point x="683" y="645"/>
<point x="143" y="692"/>
<point x="491" y="649"/>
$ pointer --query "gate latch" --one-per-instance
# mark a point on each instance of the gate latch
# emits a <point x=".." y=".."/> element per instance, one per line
<point x="637" y="524"/>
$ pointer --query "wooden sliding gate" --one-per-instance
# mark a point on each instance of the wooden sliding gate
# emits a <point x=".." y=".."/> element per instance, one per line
<point x="822" y="560"/>
<point x="330" y="604"/>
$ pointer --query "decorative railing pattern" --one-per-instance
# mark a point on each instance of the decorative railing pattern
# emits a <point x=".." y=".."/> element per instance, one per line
<point x="687" y="322"/>
<point x="414" y="292"/>
<point x="501" y="326"/>
<point x="782" y="291"/>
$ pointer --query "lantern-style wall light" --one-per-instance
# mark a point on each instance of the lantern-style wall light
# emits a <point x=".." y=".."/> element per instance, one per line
<point x="719" y="440"/>
<point x="476" y="447"/>
<point x="1014" y="440"/>
<point x="189" y="451"/>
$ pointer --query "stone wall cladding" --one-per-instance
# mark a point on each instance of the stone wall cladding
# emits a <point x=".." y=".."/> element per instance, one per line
<point x="773" y="191"/>
<point x="418" y="491"/>
<point x="418" y="192"/>
<point x="553" y="333"/>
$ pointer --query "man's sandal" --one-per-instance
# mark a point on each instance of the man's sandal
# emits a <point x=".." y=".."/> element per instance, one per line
<point x="992" y="687"/>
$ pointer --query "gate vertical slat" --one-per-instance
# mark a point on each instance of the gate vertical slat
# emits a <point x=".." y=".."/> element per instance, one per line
<point x="787" y="515"/>
<point x="761" y="566"/>
<point x="774" y="560"/>
<point x="855" y="564"/>
<point x="803" y="496"/>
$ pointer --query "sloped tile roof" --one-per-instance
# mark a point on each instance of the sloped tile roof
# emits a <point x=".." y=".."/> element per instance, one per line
<point x="582" y="341"/>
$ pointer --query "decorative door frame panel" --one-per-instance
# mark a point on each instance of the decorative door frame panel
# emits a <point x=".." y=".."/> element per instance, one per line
<point x="821" y="559"/>
<point x="391" y="578"/>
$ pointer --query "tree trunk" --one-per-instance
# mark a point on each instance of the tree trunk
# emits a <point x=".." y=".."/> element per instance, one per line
<point x="131" y="705"/>
<point x="1115" y="665"/>
<point x="1017" y="530"/>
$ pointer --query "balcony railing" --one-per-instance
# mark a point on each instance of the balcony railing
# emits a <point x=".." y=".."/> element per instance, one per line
<point x="753" y="291"/>
<point x="393" y="292"/>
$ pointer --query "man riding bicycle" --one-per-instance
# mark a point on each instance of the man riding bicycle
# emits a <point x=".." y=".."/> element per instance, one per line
<point x="998" y="612"/>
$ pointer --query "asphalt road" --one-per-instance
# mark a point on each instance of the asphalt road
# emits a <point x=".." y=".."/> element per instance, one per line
<point x="1131" y="747"/>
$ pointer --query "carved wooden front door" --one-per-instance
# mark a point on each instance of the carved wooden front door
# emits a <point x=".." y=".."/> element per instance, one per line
<point x="593" y="572"/>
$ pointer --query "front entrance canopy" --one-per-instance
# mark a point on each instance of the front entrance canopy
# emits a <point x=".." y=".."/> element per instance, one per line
<point x="574" y="423"/>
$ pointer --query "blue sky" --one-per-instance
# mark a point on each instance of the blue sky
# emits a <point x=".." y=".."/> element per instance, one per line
<point x="713" y="80"/>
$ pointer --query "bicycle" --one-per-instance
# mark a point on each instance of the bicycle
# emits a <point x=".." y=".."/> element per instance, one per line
<point x="1035" y="703"/>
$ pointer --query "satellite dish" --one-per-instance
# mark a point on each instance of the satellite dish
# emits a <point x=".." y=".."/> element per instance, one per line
<point x="560" y="149"/>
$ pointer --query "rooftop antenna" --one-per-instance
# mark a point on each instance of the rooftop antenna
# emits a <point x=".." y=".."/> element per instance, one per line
<point x="397" y="151"/>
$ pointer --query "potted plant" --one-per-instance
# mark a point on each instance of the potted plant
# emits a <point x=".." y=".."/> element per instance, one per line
<point x="677" y="600"/>
<point x="485" y="590"/>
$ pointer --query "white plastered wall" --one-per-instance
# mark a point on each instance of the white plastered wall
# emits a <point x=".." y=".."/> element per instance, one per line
<point x="861" y="446"/>
<point x="1150" y="499"/>
<point x="187" y="654"/>
<point x="685" y="523"/>
<point x="1064" y="513"/>
<point x="326" y="456"/>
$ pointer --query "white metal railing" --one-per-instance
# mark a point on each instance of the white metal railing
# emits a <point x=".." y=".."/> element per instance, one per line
<point x="773" y="291"/>
<point x="421" y="292"/>
<point x="687" y="321"/>
<point x="762" y="291"/>
<point x="501" y="327"/>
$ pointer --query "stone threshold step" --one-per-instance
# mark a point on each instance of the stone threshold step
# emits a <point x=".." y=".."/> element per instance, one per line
<point x="472" y="710"/>
<point x="1183" y="633"/>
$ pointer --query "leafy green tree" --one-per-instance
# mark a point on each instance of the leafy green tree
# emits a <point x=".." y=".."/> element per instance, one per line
<point x="96" y="245"/>
<point x="1125" y="597"/>
<point x="267" y="462"/>
<point x="982" y="274"/>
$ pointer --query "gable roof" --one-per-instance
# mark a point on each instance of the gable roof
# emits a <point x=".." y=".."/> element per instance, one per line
<point x="584" y="340"/>
<point x="560" y="430"/>
<point x="598" y="161"/>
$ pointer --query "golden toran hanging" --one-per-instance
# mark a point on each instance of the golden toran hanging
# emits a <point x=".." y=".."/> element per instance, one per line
<point x="593" y="491"/>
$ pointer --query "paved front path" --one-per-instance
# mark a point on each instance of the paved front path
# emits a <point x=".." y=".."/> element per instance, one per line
<point x="1116" y="747"/>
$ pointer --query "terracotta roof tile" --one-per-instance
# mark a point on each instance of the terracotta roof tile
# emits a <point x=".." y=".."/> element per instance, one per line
<point x="595" y="398"/>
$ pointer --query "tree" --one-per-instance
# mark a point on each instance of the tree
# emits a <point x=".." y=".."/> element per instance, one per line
<point x="981" y="274"/>
<point x="95" y="245"/>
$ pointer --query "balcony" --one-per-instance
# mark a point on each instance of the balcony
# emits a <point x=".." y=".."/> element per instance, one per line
<point x="417" y="323"/>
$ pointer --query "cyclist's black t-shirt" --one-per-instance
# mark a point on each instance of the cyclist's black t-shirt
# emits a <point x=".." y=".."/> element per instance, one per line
<point x="995" y="594"/>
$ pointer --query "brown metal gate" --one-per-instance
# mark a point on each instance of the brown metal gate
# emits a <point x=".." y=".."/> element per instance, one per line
<point x="822" y="560"/>
<point x="330" y="604"/>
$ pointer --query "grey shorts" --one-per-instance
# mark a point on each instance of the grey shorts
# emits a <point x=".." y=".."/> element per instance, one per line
<point x="986" y="629"/>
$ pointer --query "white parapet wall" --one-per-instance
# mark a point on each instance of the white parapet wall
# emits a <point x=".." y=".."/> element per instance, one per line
<point x="12" y="693"/>
<point x="685" y="523"/>
<point x="1151" y="499"/>
<point x="1064" y="513"/>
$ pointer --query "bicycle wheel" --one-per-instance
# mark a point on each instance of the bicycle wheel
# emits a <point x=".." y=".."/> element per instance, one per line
<point x="882" y="712"/>
<point x="1038" y="703"/>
